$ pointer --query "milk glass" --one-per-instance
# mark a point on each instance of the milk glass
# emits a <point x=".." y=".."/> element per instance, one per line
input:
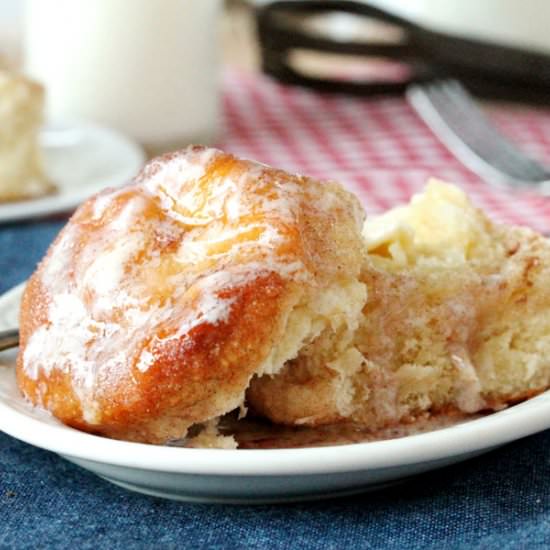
<point x="149" y="68"/>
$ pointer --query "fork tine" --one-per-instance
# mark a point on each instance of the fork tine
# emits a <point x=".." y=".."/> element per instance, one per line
<point x="462" y="99"/>
<point x="450" y="111"/>
<point x="486" y="141"/>
<point x="453" y="118"/>
<point x="9" y="339"/>
<point x="483" y="137"/>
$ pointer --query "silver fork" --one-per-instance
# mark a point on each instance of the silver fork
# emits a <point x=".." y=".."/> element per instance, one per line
<point x="9" y="339"/>
<point x="455" y="118"/>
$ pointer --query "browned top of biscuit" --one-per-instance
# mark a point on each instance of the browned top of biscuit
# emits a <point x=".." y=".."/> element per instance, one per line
<point x="159" y="300"/>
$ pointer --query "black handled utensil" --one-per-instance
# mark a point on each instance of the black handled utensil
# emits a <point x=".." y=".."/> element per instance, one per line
<point x="491" y="69"/>
<point x="9" y="339"/>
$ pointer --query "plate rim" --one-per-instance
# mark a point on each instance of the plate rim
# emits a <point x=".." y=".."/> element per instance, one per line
<point x="511" y="424"/>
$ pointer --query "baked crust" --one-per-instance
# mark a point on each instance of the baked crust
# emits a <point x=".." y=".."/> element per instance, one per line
<point x="159" y="301"/>
<point x="211" y="283"/>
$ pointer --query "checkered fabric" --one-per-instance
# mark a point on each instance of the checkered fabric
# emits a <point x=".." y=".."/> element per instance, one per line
<point x="377" y="147"/>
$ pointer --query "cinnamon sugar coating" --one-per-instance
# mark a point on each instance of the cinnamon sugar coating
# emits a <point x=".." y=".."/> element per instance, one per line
<point x="159" y="301"/>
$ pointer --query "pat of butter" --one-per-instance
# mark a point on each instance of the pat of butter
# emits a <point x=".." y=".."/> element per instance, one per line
<point x="441" y="222"/>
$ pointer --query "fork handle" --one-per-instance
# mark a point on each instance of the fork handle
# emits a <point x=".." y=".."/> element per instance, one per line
<point x="9" y="339"/>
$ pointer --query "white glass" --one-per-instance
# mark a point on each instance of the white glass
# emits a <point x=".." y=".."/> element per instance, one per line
<point x="147" y="68"/>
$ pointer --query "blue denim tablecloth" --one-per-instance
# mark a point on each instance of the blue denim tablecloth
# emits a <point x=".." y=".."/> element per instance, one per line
<point x="500" y="500"/>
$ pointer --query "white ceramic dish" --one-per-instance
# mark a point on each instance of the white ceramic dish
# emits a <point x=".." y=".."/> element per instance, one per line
<point x="81" y="160"/>
<point x="252" y="476"/>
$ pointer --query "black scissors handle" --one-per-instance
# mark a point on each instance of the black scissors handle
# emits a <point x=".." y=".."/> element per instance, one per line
<point x="428" y="53"/>
<point x="277" y="39"/>
<point x="274" y="33"/>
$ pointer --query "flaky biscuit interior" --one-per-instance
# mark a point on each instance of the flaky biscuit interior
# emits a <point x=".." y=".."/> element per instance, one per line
<point x="457" y="320"/>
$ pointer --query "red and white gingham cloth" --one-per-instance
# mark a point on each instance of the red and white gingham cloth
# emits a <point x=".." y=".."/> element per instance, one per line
<point x="379" y="148"/>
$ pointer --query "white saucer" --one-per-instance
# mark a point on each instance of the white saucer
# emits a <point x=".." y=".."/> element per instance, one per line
<point x="253" y="476"/>
<point x="80" y="160"/>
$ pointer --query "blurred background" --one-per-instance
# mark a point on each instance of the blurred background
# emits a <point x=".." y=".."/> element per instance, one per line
<point x="375" y="94"/>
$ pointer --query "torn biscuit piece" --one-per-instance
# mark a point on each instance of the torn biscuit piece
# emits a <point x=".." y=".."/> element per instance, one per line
<point x="457" y="320"/>
<point x="21" y="165"/>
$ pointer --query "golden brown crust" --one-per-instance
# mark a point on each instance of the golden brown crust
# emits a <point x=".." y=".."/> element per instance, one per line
<point x="159" y="301"/>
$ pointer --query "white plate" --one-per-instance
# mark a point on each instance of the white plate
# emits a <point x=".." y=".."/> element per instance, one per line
<point x="216" y="475"/>
<point x="80" y="161"/>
